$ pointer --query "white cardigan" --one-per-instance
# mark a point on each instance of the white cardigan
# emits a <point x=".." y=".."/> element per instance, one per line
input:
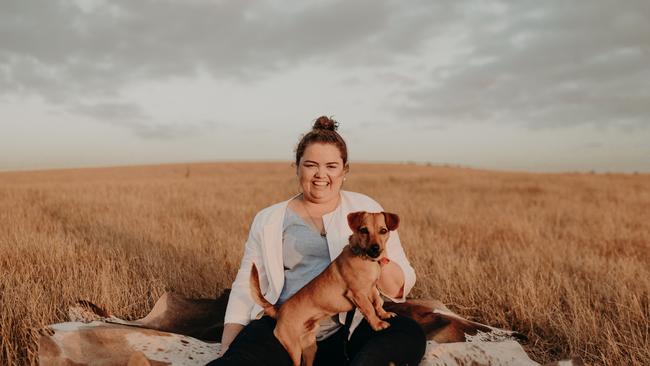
<point x="264" y="247"/>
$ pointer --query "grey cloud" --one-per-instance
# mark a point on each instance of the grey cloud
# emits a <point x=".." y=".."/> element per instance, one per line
<point x="538" y="63"/>
<point x="396" y="78"/>
<point x="130" y="116"/>
<point x="58" y="50"/>
<point x="167" y="131"/>
<point x="66" y="53"/>
<point x="545" y="64"/>
<point x="350" y="81"/>
<point x="111" y="111"/>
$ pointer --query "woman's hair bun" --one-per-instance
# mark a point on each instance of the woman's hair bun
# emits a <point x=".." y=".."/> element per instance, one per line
<point x="325" y="123"/>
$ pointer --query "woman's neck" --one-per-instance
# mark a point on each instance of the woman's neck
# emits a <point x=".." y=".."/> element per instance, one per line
<point x="320" y="208"/>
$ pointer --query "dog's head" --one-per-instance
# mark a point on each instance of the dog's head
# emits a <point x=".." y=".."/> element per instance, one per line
<point x="370" y="231"/>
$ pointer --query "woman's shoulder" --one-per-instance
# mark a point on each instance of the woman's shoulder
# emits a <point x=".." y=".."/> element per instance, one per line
<point x="360" y="201"/>
<point x="356" y="196"/>
<point x="268" y="212"/>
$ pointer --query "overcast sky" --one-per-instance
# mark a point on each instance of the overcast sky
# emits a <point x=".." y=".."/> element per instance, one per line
<point x="517" y="85"/>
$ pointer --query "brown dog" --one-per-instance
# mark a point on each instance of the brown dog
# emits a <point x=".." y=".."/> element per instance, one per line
<point x="349" y="281"/>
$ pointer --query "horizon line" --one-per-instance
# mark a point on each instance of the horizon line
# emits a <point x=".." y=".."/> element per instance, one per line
<point x="289" y="162"/>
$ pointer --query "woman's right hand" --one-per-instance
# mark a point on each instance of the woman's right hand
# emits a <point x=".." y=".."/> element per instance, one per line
<point x="230" y="331"/>
<point x="222" y="351"/>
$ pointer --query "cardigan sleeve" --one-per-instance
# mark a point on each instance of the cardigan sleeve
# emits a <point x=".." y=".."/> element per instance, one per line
<point x="240" y="302"/>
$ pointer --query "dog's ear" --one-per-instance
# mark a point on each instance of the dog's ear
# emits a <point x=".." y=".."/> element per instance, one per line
<point x="392" y="220"/>
<point x="355" y="219"/>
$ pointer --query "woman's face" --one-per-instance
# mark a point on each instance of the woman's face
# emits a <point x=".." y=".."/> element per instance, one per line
<point x="320" y="172"/>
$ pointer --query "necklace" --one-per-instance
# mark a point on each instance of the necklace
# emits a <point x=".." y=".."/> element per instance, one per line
<point x="323" y="232"/>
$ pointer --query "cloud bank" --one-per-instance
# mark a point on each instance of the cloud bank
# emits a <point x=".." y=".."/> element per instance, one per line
<point x="544" y="64"/>
<point x="540" y="64"/>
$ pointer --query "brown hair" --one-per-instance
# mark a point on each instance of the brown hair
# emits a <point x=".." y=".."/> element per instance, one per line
<point x="324" y="132"/>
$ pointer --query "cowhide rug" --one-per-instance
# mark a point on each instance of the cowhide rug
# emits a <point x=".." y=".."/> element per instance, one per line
<point x="181" y="331"/>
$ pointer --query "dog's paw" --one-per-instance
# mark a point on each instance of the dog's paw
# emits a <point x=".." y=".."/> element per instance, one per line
<point x="380" y="325"/>
<point x="387" y="315"/>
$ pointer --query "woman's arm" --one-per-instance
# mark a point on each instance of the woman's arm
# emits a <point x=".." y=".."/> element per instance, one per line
<point x="391" y="280"/>
<point x="397" y="276"/>
<point x="230" y="331"/>
<point x="240" y="303"/>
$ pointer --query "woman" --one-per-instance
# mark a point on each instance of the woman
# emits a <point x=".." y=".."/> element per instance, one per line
<point x="291" y="243"/>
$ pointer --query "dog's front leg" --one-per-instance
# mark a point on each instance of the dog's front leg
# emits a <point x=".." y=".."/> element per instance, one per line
<point x="378" y="303"/>
<point x="290" y="342"/>
<point x="309" y="354"/>
<point x="309" y="347"/>
<point x="362" y="301"/>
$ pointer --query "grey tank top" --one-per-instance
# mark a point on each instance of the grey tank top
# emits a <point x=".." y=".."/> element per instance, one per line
<point x="305" y="255"/>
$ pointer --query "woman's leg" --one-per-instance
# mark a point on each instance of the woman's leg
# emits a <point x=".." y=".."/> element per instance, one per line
<point x="330" y="350"/>
<point x="403" y="343"/>
<point x="255" y="345"/>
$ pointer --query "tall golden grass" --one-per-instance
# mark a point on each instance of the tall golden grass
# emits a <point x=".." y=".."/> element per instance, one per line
<point x="563" y="258"/>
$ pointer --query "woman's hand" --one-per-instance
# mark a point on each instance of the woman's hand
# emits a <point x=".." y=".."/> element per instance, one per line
<point x="391" y="280"/>
<point x="222" y="351"/>
<point x="230" y="331"/>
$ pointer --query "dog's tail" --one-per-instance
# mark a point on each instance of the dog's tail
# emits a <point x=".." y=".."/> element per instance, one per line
<point x="256" y="294"/>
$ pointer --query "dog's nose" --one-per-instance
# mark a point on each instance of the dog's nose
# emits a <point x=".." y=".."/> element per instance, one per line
<point x="374" y="251"/>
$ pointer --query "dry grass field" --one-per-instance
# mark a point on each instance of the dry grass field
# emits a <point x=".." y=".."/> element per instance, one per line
<point x="563" y="258"/>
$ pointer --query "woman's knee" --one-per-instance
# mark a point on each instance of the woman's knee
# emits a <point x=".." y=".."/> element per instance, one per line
<point x="409" y="337"/>
<point x="403" y="343"/>
<point x="406" y="324"/>
<point x="255" y="345"/>
<point x="410" y="330"/>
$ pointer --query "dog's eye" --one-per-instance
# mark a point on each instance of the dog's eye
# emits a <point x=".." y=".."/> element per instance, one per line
<point x="363" y="230"/>
<point x="383" y="230"/>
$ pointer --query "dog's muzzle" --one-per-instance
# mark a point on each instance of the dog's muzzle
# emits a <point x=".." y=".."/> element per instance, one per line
<point x="374" y="251"/>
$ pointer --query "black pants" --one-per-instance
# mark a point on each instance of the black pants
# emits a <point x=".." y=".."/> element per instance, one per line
<point x="403" y="343"/>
